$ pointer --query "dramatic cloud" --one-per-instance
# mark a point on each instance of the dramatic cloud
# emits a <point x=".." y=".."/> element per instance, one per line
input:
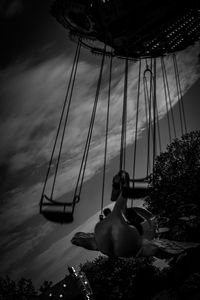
<point x="32" y="103"/>
<point x="32" y="98"/>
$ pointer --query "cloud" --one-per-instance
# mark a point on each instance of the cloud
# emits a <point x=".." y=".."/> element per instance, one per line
<point x="32" y="98"/>
<point x="18" y="246"/>
<point x="32" y="101"/>
<point x="188" y="70"/>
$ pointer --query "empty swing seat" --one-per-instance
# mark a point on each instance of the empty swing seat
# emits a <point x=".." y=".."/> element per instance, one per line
<point x="137" y="192"/>
<point x="58" y="216"/>
<point x="55" y="211"/>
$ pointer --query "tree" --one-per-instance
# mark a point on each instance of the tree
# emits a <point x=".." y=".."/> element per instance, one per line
<point x="45" y="286"/>
<point x="22" y="290"/>
<point x="8" y="288"/>
<point x="122" y="278"/>
<point x="25" y="289"/>
<point x="176" y="185"/>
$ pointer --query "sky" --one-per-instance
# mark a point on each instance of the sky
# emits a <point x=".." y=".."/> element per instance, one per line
<point x="35" y="64"/>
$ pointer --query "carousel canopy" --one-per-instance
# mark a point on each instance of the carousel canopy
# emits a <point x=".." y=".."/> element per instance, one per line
<point x="145" y="28"/>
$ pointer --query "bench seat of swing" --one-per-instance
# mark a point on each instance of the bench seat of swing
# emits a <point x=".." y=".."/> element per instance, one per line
<point x="58" y="216"/>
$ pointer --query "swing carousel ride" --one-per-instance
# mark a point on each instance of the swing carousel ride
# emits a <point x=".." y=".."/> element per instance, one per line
<point x="146" y="32"/>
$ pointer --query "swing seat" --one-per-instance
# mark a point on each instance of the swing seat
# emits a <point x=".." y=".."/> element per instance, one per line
<point x="58" y="216"/>
<point x="141" y="180"/>
<point x="122" y="182"/>
<point x="136" y="192"/>
<point x="54" y="211"/>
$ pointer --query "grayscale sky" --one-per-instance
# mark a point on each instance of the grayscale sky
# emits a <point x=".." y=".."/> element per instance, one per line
<point x="36" y="59"/>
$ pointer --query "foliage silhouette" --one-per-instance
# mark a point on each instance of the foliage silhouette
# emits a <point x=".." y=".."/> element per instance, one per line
<point x="176" y="190"/>
<point x="45" y="286"/>
<point x="22" y="290"/>
<point x="122" y="278"/>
